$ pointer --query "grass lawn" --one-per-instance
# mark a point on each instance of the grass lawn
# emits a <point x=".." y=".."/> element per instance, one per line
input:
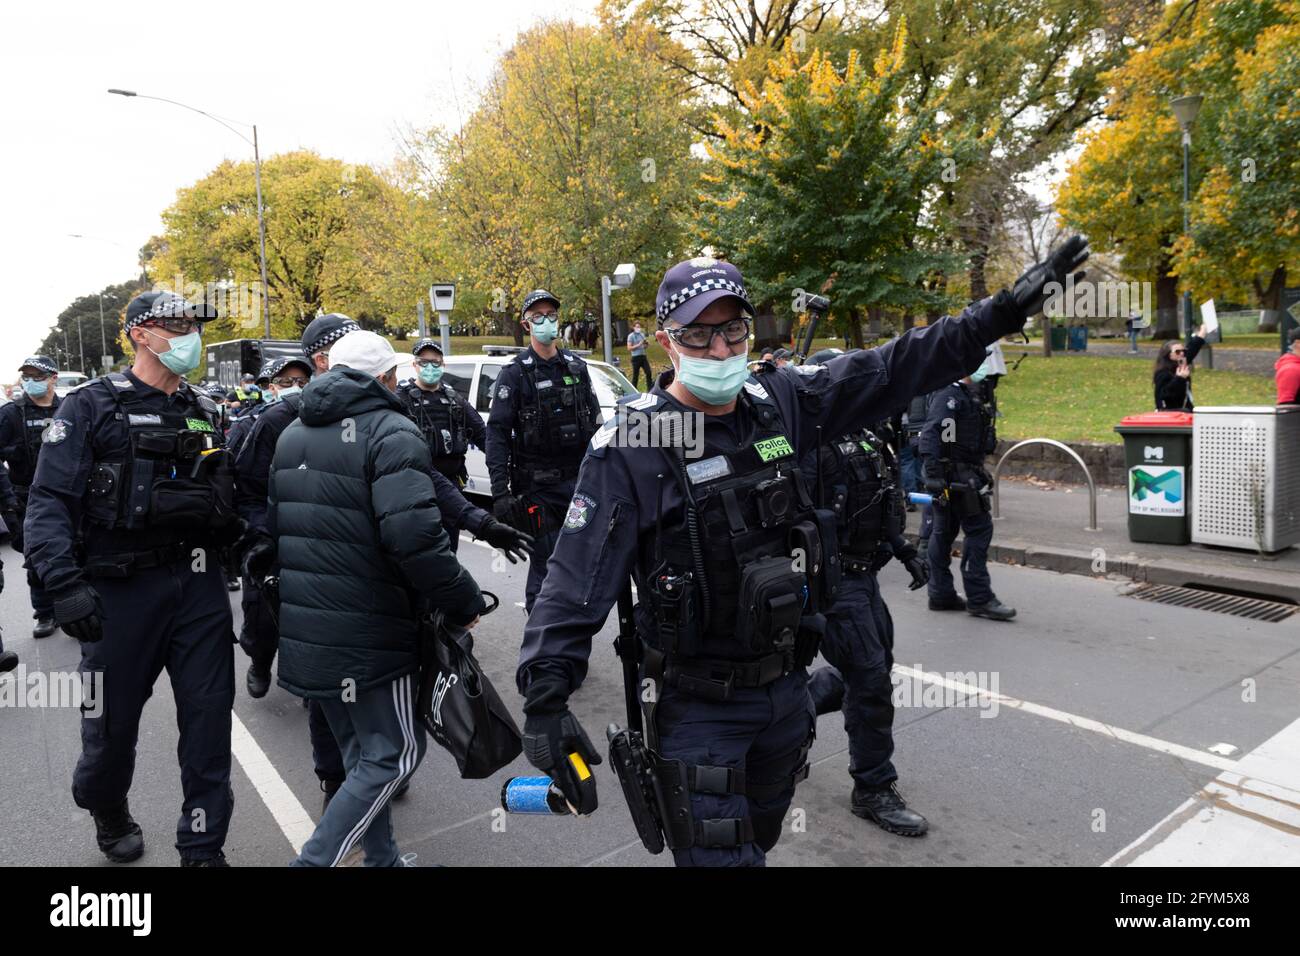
<point x="1069" y="398"/>
<point x="1267" y="341"/>
<point x="1082" y="398"/>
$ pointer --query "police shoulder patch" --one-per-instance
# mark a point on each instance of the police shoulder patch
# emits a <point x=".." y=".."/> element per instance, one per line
<point x="581" y="508"/>
<point x="952" y="403"/>
<point x="503" y="391"/>
<point x="56" y="431"/>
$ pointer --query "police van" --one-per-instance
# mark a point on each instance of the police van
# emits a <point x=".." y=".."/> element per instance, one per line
<point x="472" y="376"/>
<point x="229" y="361"/>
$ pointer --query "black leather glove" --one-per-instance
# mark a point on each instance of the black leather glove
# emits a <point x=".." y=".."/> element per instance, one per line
<point x="78" y="612"/>
<point x="516" y="545"/>
<point x="463" y="617"/>
<point x="1027" y="297"/>
<point x="557" y="745"/>
<point x="919" y="570"/>
<point x="503" y="508"/>
<point x="259" y="558"/>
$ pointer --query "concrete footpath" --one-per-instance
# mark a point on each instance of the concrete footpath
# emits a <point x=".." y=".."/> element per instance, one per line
<point x="1043" y="525"/>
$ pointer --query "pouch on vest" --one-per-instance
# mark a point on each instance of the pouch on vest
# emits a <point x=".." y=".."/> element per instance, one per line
<point x="772" y="598"/>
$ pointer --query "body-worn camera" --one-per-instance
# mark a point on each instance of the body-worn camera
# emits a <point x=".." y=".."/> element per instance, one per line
<point x="772" y="500"/>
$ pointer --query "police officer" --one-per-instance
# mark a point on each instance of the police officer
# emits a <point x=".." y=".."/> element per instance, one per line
<point x="957" y="436"/>
<point x="133" y="468"/>
<point x="22" y="423"/>
<point x="258" y="634"/>
<point x="251" y="406"/>
<point x="858" y="477"/>
<point x="728" y="618"/>
<point x="449" y="423"/>
<point x="543" y="411"/>
<point x="9" y="519"/>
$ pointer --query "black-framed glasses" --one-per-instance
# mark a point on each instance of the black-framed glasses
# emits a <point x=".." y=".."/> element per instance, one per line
<point x="696" y="336"/>
<point x="425" y="363"/>
<point x="38" y="377"/>
<point x="289" y="381"/>
<point x="177" y="326"/>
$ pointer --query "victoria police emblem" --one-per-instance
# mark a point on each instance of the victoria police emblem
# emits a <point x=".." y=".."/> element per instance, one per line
<point x="581" y="508"/>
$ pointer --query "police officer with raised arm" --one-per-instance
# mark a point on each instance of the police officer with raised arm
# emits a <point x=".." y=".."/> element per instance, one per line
<point x="132" y="501"/>
<point x="543" y="411"/>
<point x="734" y="565"/>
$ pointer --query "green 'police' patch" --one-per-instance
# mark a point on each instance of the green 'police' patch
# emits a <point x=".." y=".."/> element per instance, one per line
<point x="198" y="425"/>
<point x="769" y="448"/>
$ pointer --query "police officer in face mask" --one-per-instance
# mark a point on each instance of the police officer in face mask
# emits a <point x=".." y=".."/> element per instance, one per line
<point x="733" y="563"/>
<point x="251" y="408"/>
<point x="957" y="436"/>
<point x="543" y="411"/>
<point x="9" y="515"/>
<point x="134" y="470"/>
<point x="858" y="476"/>
<point x="448" y="422"/>
<point x="22" y="422"/>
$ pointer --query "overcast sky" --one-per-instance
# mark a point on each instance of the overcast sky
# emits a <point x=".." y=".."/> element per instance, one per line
<point x="338" y="78"/>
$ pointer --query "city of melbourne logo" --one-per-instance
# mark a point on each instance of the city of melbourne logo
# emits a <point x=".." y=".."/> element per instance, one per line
<point x="1156" y="491"/>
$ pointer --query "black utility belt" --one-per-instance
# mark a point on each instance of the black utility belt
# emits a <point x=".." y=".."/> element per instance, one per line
<point x="716" y="678"/>
<point x="123" y="565"/>
<point x="546" y="476"/>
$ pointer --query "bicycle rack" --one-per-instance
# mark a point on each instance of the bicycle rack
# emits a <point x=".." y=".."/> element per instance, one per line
<point x="1092" y="487"/>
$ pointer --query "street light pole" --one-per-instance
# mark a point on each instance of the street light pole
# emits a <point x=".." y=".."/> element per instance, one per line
<point x="1185" y="109"/>
<point x="81" y="351"/>
<point x="257" y="178"/>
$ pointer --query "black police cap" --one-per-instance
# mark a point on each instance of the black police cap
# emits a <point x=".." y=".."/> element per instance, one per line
<point x="279" y="366"/>
<point x="537" y="295"/>
<point x="426" y="343"/>
<point x="324" y="330"/>
<point x="42" y="362"/>
<point x="165" y="305"/>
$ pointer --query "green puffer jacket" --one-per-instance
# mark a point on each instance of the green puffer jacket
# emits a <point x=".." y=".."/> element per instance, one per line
<point x="362" y="550"/>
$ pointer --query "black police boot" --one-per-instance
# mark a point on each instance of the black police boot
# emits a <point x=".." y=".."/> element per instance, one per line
<point x="8" y="661"/>
<point x="995" y="610"/>
<point x="886" y="809"/>
<point x="44" y="626"/>
<point x="258" y="679"/>
<point x="118" y="835"/>
<point x="329" y="787"/>
<point x="218" y="860"/>
<point x="954" y="603"/>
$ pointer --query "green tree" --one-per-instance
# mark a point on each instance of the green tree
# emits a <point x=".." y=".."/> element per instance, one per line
<point x="79" y="331"/>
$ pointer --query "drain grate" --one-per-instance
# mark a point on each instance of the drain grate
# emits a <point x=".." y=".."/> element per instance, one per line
<point x="1258" y="609"/>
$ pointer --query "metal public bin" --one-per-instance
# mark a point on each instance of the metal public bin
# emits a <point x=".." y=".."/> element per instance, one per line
<point x="1079" y="338"/>
<point x="1058" y="338"/>
<point x="1158" y="456"/>
<point x="1247" y="487"/>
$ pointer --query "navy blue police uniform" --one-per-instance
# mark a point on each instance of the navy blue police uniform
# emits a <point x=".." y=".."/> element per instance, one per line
<point x="250" y="411"/>
<point x="131" y="502"/>
<point x="543" y="412"/>
<point x="860" y="479"/>
<point x="9" y="516"/>
<point x="727" y="622"/>
<point x="22" y="422"/>
<point x="448" y="422"/>
<point x="957" y="436"/>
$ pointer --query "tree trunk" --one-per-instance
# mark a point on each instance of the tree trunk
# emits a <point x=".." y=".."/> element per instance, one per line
<point x="909" y="321"/>
<point x="855" y="328"/>
<point x="1270" y="300"/>
<point x="1166" y="306"/>
<point x="873" y="320"/>
<point x="1047" y="335"/>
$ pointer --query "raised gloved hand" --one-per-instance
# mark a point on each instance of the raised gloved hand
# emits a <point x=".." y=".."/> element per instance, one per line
<point x="1026" y="298"/>
<point x="78" y="612"/>
<point x="259" y="558"/>
<point x="919" y="570"/>
<point x="503" y="508"/>
<point x="556" y="744"/>
<point x="516" y="545"/>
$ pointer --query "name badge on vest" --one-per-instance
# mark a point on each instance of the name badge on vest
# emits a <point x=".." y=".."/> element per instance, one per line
<point x="708" y="469"/>
<point x="144" y="419"/>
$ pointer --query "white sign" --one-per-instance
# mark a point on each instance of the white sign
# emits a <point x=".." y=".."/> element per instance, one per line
<point x="1210" y="318"/>
<point x="1157" y="490"/>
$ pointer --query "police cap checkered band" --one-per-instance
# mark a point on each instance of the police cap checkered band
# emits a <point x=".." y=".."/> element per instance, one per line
<point x="280" y="365"/>
<point x="42" y="362"/>
<point x="165" y="305"/>
<point x="264" y="373"/>
<point x="690" y="286"/>
<point x="537" y="295"/>
<point x="426" y="343"/>
<point x="324" y="330"/>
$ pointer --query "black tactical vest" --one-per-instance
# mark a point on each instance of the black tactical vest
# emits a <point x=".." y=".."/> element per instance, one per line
<point x="440" y="416"/>
<point x="22" y="469"/>
<point x="752" y="560"/>
<point x="861" y="483"/>
<point x="172" y="480"/>
<point x="554" y="420"/>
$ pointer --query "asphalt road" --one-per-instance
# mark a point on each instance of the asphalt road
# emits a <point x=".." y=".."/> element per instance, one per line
<point x="1034" y="782"/>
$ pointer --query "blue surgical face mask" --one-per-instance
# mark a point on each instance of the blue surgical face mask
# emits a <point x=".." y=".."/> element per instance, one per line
<point x="36" y="389"/>
<point x="286" y="392"/>
<point x="713" y="381"/>
<point x="545" y="330"/>
<point x="430" y="374"/>
<point x="980" y="373"/>
<point x="184" y="355"/>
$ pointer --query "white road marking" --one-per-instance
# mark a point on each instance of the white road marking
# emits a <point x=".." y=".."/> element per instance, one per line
<point x="1190" y="754"/>
<point x="1246" y="817"/>
<point x="290" y="815"/>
